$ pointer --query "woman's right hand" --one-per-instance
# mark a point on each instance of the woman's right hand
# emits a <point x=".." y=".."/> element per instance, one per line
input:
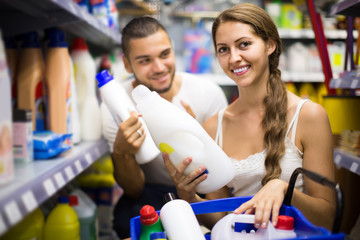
<point x="185" y="185"/>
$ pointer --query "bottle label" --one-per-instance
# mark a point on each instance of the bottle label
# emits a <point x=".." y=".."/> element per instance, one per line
<point x="39" y="107"/>
<point x="68" y="111"/>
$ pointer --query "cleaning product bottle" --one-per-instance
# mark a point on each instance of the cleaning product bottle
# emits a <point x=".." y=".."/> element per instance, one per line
<point x="89" y="108"/>
<point x="30" y="79"/>
<point x="12" y="59"/>
<point x="241" y="226"/>
<point x="6" y="128"/>
<point x="179" y="220"/>
<point x="150" y="222"/>
<point x="75" y="116"/>
<point x="85" y="209"/>
<point x="30" y="227"/>
<point x="120" y="105"/>
<point x="57" y="75"/>
<point x="62" y="222"/>
<point x="307" y="91"/>
<point x="177" y="133"/>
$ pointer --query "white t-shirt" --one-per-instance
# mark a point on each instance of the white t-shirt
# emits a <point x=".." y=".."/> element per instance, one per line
<point x="203" y="96"/>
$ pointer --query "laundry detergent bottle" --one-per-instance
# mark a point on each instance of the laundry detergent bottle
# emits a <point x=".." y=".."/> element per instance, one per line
<point x="178" y="134"/>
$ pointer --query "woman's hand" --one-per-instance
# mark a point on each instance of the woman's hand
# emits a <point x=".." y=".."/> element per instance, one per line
<point x="265" y="203"/>
<point x="185" y="185"/>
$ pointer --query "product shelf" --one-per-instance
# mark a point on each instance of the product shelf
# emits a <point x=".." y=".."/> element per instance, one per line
<point x="37" y="181"/>
<point x="348" y="80"/>
<point x="21" y="16"/>
<point x="347" y="160"/>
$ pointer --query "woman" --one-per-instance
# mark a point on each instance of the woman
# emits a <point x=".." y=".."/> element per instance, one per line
<point x="267" y="132"/>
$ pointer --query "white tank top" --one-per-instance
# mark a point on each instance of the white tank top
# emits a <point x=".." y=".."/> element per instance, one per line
<point x="250" y="171"/>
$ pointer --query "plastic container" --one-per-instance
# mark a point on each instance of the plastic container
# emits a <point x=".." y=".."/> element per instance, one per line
<point x="75" y="115"/>
<point x="23" y="136"/>
<point x="62" y="222"/>
<point x="176" y="132"/>
<point x="57" y="74"/>
<point x="179" y="220"/>
<point x="150" y="222"/>
<point x="302" y="227"/>
<point x="6" y="135"/>
<point x="30" y="227"/>
<point x="120" y="105"/>
<point x="241" y="227"/>
<point x="30" y="80"/>
<point x="86" y="210"/>
<point x="89" y="108"/>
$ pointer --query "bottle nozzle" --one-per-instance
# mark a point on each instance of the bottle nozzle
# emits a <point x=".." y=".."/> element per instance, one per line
<point x="169" y="197"/>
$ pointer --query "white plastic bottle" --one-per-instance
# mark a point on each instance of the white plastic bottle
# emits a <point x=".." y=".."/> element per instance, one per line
<point x="75" y="116"/>
<point x="241" y="227"/>
<point x="176" y="132"/>
<point x="89" y="108"/>
<point x="120" y="105"/>
<point x="179" y="220"/>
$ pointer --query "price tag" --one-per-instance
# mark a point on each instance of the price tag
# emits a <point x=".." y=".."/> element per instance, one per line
<point x="78" y="166"/>
<point x="49" y="187"/>
<point x="354" y="167"/>
<point x="2" y="225"/>
<point x="354" y="83"/>
<point x="337" y="159"/>
<point x="59" y="179"/>
<point x="29" y="201"/>
<point x="88" y="158"/>
<point x="69" y="173"/>
<point x="12" y="212"/>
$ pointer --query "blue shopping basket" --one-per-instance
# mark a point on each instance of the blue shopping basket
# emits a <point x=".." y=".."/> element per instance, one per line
<point x="302" y="227"/>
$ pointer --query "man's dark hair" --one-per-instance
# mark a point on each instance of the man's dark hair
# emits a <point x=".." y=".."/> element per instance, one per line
<point x="139" y="28"/>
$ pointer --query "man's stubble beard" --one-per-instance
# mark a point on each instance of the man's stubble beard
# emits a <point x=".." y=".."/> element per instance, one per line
<point x="157" y="90"/>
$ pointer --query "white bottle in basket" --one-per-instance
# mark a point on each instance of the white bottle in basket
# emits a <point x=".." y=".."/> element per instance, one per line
<point x="180" y="135"/>
<point x="120" y="105"/>
<point x="237" y="227"/>
<point x="179" y="220"/>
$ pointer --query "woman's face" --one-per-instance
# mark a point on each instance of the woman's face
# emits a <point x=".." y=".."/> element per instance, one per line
<point x="242" y="55"/>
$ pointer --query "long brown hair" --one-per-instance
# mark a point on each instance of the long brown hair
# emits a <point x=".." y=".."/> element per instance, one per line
<point x="274" y="121"/>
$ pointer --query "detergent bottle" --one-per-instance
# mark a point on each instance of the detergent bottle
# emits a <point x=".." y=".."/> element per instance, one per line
<point x="179" y="220"/>
<point x="57" y="74"/>
<point x="178" y="134"/>
<point x="150" y="222"/>
<point x="89" y="108"/>
<point x="30" y="79"/>
<point x="120" y="105"/>
<point x="62" y="222"/>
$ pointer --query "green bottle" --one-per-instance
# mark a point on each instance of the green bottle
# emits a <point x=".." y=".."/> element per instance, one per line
<point x="150" y="222"/>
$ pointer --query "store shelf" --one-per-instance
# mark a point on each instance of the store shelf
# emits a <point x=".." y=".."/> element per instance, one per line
<point x="20" y="16"/>
<point x="348" y="80"/>
<point x="346" y="7"/>
<point x="37" y="181"/>
<point x="347" y="161"/>
<point x="309" y="33"/>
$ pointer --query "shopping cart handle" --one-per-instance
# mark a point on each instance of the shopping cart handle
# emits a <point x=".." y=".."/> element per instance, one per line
<point x="324" y="181"/>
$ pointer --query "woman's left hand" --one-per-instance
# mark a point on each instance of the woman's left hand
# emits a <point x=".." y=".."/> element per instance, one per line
<point x="265" y="203"/>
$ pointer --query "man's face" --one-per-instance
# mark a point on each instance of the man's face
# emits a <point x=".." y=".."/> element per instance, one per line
<point x="152" y="61"/>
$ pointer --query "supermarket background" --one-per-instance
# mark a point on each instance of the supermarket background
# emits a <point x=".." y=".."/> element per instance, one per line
<point x="318" y="62"/>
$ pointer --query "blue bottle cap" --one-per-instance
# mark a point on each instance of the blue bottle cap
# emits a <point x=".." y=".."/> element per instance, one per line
<point x="57" y="38"/>
<point x="103" y="77"/>
<point x="31" y="40"/>
<point x="63" y="199"/>
<point x="158" y="236"/>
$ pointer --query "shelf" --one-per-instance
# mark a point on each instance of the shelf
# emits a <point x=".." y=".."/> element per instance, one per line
<point x="223" y="80"/>
<point x="136" y="7"/>
<point x="309" y="33"/>
<point x="347" y="161"/>
<point x="347" y="7"/>
<point x="37" y="181"/>
<point x="41" y="14"/>
<point x="348" y="80"/>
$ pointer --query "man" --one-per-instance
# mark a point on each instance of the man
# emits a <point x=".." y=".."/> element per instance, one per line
<point x="149" y="56"/>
